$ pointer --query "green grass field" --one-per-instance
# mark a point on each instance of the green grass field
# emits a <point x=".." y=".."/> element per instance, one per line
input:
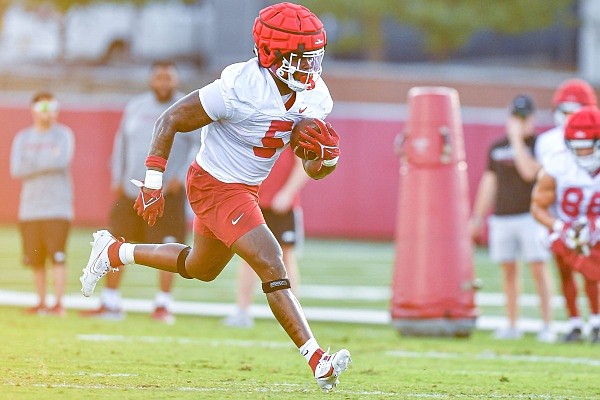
<point x="198" y="358"/>
<point x="322" y="262"/>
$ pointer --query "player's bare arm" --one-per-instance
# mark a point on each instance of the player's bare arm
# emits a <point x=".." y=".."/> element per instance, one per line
<point x="185" y="115"/>
<point x="486" y="193"/>
<point x="543" y="197"/>
<point x="283" y="200"/>
<point x="526" y="164"/>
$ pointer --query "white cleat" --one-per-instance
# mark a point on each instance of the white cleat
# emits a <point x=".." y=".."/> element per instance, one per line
<point x="98" y="264"/>
<point x="241" y="319"/>
<point x="330" y="367"/>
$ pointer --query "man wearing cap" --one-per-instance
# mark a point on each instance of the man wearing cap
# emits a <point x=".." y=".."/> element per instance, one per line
<point x="506" y="187"/>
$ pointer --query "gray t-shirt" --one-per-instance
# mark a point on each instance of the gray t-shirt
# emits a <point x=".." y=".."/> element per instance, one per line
<point x="42" y="160"/>
<point x="132" y="143"/>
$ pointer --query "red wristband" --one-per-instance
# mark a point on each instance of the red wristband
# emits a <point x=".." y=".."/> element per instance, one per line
<point x="156" y="162"/>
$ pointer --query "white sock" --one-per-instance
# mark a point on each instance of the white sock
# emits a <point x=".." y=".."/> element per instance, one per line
<point x="163" y="299"/>
<point x="111" y="298"/>
<point x="126" y="253"/>
<point x="547" y="327"/>
<point x="309" y="348"/>
<point x="594" y="320"/>
<point x="575" y="322"/>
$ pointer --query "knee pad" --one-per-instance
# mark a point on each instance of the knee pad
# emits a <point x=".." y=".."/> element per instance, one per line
<point x="181" y="262"/>
<point x="273" y="286"/>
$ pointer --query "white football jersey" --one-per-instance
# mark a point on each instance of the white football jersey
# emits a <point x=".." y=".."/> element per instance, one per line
<point x="577" y="192"/>
<point x="251" y="124"/>
<point x="549" y="142"/>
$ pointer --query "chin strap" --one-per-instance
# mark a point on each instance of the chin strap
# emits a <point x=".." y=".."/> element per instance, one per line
<point x="290" y="81"/>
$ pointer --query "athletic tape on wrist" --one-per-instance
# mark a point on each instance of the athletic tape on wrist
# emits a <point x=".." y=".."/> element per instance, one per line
<point x="558" y="225"/>
<point x="153" y="179"/>
<point x="279" y="284"/>
<point x="156" y="162"/>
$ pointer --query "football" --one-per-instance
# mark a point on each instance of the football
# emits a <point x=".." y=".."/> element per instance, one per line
<point x="295" y="137"/>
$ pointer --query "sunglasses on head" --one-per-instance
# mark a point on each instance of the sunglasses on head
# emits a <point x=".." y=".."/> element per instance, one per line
<point x="46" y="106"/>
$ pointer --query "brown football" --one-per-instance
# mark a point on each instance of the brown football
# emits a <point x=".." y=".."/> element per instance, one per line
<point x="295" y="137"/>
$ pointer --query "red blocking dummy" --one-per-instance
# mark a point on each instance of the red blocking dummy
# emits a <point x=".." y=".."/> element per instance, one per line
<point x="433" y="284"/>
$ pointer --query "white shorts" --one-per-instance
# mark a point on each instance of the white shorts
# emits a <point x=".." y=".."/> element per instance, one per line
<point x="513" y="237"/>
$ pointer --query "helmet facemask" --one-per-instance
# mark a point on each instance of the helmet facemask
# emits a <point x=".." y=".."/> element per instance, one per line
<point x="589" y="162"/>
<point x="563" y="110"/>
<point x="300" y="71"/>
<point x="582" y="138"/>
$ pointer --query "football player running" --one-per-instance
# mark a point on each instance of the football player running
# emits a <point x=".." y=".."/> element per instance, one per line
<point x="246" y="118"/>
<point x="570" y="96"/>
<point x="569" y="183"/>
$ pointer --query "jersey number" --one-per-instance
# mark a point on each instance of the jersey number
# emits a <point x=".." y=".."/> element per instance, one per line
<point x="270" y="143"/>
<point x="572" y="199"/>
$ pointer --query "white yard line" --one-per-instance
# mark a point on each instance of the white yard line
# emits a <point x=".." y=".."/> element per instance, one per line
<point x="185" y="341"/>
<point x="378" y="293"/>
<point x="438" y="355"/>
<point x="292" y="388"/>
<point x="490" y="355"/>
<point x="350" y="315"/>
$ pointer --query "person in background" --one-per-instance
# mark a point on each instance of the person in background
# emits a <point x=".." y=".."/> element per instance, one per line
<point x="280" y="205"/>
<point x="246" y="116"/>
<point x="130" y="149"/>
<point x="564" y="199"/>
<point x="41" y="157"/>
<point x="506" y="186"/>
<point x="569" y="97"/>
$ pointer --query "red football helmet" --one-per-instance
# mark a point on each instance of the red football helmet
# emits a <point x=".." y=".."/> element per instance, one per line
<point x="289" y="39"/>
<point x="583" y="132"/>
<point x="570" y="96"/>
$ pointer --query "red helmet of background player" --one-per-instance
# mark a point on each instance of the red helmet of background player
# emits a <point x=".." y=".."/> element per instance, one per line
<point x="570" y="96"/>
<point x="289" y="39"/>
<point x="583" y="132"/>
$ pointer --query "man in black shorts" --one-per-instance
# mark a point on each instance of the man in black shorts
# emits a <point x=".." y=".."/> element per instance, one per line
<point x="41" y="158"/>
<point x="130" y="149"/>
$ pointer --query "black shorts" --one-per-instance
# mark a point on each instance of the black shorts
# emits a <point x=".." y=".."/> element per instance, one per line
<point x="171" y="227"/>
<point x="42" y="239"/>
<point x="287" y="228"/>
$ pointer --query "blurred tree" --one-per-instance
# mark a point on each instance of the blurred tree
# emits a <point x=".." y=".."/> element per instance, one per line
<point x="4" y="4"/>
<point x="63" y="6"/>
<point x="446" y="25"/>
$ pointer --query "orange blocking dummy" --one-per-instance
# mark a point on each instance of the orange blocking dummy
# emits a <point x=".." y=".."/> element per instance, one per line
<point x="433" y="285"/>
